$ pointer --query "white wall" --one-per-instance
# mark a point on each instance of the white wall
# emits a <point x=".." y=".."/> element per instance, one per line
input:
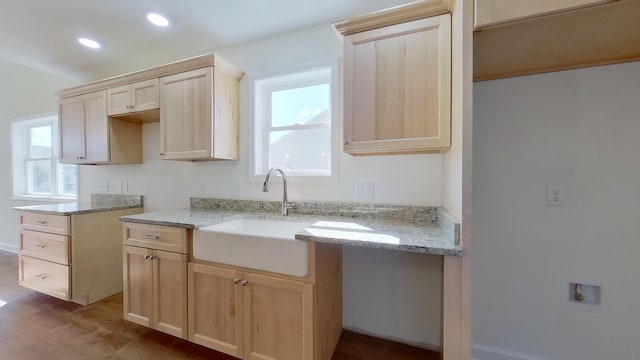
<point x="578" y="129"/>
<point x="403" y="301"/>
<point x="24" y="93"/>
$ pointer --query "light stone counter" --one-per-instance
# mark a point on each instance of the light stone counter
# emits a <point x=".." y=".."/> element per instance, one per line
<point x="99" y="203"/>
<point x="425" y="230"/>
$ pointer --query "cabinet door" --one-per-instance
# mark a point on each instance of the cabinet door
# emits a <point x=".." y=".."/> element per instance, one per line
<point x="96" y="128"/>
<point x="398" y="88"/>
<point x="169" y="293"/>
<point x="137" y="285"/>
<point x="186" y="115"/>
<point x="119" y="100"/>
<point x="71" y="118"/>
<point x="278" y="318"/>
<point x="215" y="308"/>
<point x="84" y="129"/>
<point x="145" y="95"/>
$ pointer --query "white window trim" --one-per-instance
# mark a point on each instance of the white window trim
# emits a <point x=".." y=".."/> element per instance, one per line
<point x="257" y="136"/>
<point x="18" y="127"/>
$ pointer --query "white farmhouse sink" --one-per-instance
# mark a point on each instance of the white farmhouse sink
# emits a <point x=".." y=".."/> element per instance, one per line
<point x="267" y="245"/>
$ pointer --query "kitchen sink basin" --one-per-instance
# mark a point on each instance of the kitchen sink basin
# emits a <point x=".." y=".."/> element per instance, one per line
<point x="267" y="245"/>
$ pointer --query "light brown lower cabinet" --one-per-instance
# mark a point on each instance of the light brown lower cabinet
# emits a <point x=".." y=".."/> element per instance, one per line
<point x="250" y="315"/>
<point x="255" y="315"/>
<point x="155" y="289"/>
<point x="75" y="257"/>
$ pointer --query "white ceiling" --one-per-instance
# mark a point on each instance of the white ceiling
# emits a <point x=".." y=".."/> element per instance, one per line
<point x="43" y="33"/>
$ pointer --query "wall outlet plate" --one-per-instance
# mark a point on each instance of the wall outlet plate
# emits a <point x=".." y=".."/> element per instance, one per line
<point x="556" y="195"/>
<point x="364" y="191"/>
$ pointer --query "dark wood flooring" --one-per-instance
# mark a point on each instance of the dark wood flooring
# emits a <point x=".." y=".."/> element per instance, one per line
<point x="35" y="326"/>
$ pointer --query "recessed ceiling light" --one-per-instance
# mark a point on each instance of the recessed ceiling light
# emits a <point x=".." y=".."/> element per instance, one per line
<point x="157" y="19"/>
<point x="89" y="43"/>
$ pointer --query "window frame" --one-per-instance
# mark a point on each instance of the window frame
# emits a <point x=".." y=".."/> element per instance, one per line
<point x="299" y="77"/>
<point x="21" y="158"/>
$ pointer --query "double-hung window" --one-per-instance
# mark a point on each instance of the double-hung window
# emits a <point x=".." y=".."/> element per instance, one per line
<point x="293" y="117"/>
<point x="37" y="171"/>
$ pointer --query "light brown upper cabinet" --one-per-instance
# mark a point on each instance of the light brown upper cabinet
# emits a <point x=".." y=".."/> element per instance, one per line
<point x="397" y="88"/>
<point x="88" y="136"/>
<point x="495" y="12"/>
<point x="199" y="114"/>
<point x="195" y="100"/>
<point x="139" y="96"/>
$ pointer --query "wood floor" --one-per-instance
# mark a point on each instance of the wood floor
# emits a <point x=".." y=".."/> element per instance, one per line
<point x="35" y="326"/>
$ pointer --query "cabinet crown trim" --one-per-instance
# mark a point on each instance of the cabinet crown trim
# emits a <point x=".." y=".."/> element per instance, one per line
<point x="193" y="63"/>
<point x="394" y="15"/>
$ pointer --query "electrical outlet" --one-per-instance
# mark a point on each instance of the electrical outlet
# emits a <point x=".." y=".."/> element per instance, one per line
<point x="364" y="191"/>
<point x="555" y="195"/>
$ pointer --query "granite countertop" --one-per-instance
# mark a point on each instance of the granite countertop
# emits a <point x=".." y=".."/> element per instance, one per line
<point x="404" y="228"/>
<point x="98" y="203"/>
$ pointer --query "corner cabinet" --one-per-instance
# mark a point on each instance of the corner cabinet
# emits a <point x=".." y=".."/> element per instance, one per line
<point x="397" y="88"/>
<point x="89" y="136"/>
<point x="199" y="114"/>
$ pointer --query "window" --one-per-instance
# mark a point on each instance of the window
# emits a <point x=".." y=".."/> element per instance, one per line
<point x="293" y="115"/>
<point x="36" y="169"/>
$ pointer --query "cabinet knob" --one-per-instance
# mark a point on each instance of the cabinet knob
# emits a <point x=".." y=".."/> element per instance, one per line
<point x="345" y="143"/>
<point x="236" y="281"/>
<point x="147" y="256"/>
<point x="245" y="282"/>
<point x="41" y="246"/>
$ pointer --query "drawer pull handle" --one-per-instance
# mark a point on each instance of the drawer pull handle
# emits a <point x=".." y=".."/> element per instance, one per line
<point x="151" y="237"/>
<point x="42" y="276"/>
<point x="245" y="282"/>
<point x="41" y="246"/>
<point x="42" y="222"/>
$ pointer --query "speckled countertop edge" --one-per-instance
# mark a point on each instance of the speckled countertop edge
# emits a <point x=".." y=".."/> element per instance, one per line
<point x="99" y="203"/>
<point x="393" y="233"/>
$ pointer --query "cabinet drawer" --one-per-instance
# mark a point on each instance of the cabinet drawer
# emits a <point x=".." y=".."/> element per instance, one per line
<point x="156" y="237"/>
<point x="51" y="247"/>
<point x="45" y="277"/>
<point x="55" y="224"/>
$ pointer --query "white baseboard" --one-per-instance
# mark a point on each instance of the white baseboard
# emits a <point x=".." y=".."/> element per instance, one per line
<point x="422" y="345"/>
<point x="9" y="248"/>
<point x="483" y="352"/>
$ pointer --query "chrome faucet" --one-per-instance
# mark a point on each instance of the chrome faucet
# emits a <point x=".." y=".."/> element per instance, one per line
<point x="286" y="205"/>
